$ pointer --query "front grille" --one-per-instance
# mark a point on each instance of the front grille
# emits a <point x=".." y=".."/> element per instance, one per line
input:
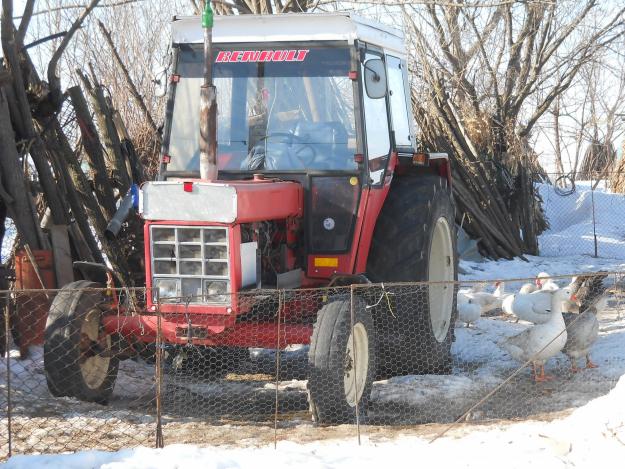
<point x="190" y="264"/>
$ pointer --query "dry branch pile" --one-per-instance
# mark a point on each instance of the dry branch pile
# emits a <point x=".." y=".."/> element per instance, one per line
<point x="43" y="162"/>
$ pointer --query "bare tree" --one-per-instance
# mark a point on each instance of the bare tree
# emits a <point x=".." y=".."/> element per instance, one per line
<point x="487" y="75"/>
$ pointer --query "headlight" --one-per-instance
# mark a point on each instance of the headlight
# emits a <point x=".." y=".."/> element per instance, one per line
<point x="216" y="291"/>
<point x="166" y="289"/>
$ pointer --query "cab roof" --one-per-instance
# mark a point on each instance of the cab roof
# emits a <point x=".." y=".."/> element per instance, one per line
<point x="297" y="27"/>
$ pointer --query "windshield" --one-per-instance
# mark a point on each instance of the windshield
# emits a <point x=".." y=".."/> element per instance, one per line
<point x="278" y="110"/>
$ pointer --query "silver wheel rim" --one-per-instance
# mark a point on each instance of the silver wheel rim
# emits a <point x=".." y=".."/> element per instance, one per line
<point x="94" y="369"/>
<point x="441" y="269"/>
<point x="356" y="364"/>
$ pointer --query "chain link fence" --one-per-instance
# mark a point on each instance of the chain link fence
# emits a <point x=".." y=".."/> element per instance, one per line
<point x="98" y="369"/>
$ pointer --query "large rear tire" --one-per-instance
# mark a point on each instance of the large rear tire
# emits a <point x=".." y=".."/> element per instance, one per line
<point x="342" y="362"/>
<point x="77" y="359"/>
<point x="415" y="241"/>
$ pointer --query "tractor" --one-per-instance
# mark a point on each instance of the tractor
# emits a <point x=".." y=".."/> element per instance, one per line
<point x="320" y="183"/>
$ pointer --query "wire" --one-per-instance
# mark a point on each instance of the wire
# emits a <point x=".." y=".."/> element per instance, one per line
<point x="567" y="189"/>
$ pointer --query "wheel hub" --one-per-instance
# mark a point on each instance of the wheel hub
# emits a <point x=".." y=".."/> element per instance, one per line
<point x="93" y="364"/>
<point x="356" y="364"/>
<point x="441" y="269"/>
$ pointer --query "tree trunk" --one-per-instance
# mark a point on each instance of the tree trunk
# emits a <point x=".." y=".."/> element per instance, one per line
<point x="15" y="192"/>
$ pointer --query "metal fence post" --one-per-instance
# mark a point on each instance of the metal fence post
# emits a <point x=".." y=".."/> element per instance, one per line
<point x="275" y="419"/>
<point x="351" y="308"/>
<point x="594" y="221"/>
<point x="159" y="376"/>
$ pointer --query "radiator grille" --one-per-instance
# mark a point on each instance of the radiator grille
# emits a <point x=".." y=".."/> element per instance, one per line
<point x="190" y="264"/>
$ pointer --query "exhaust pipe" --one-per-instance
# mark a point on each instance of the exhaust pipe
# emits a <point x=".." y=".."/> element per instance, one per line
<point x="208" y="104"/>
<point x="121" y="215"/>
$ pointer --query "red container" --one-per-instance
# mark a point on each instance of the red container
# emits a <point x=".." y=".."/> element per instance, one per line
<point x="32" y="307"/>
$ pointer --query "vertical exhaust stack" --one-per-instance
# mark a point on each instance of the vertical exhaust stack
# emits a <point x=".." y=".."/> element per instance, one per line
<point x="208" y="104"/>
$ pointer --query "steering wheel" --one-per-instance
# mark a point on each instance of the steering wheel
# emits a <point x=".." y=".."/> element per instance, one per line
<point x="292" y="138"/>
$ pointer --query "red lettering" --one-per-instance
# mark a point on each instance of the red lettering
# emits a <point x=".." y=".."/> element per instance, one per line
<point x="265" y="56"/>
<point x="286" y="55"/>
<point x="250" y="56"/>
<point x="301" y="55"/>
<point x="279" y="55"/>
<point x="223" y="56"/>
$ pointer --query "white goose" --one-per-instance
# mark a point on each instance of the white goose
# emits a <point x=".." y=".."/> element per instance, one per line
<point x="545" y="282"/>
<point x="468" y="310"/>
<point x="540" y="342"/>
<point x="532" y="307"/>
<point x="528" y="288"/>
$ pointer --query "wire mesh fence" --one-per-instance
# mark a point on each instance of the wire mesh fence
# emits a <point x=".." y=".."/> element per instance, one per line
<point x="102" y="369"/>
<point x="585" y="216"/>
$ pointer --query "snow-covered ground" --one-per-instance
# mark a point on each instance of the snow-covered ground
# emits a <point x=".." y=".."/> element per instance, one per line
<point x="592" y="436"/>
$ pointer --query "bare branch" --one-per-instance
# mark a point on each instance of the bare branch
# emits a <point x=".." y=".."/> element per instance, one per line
<point x="26" y="17"/>
<point x="53" y="80"/>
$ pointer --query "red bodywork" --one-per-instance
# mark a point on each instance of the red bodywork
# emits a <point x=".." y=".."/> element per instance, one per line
<point x="257" y="200"/>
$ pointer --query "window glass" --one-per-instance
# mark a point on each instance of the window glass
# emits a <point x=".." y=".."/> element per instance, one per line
<point x="378" y="141"/>
<point x="277" y="110"/>
<point x="397" y="97"/>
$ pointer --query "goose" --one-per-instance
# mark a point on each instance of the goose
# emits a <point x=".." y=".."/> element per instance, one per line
<point x="583" y="331"/>
<point x="541" y="342"/>
<point x="528" y="288"/>
<point x="486" y="301"/>
<point x="468" y="311"/>
<point x="545" y="282"/>
<point x="532" y="307"/>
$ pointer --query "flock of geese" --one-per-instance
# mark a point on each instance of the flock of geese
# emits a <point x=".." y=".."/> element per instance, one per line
<point x="564" y="318"/>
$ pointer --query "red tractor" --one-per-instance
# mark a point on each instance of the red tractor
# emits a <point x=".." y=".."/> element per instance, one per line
<point x="320" y="184"/>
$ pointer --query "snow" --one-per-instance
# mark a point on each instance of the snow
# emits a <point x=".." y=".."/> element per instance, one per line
<point x="567" y="247"/>
<point x="592" y="436"/>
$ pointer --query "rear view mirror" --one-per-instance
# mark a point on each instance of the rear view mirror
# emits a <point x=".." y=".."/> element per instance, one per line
<point x="160" y="82"/>
<point x="375" y="78"/>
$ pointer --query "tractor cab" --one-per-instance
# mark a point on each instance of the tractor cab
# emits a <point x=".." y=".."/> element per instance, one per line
<point x="318" y="100"/>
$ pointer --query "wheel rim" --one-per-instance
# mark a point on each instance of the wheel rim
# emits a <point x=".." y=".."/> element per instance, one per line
<point x="93" y="366"/>
<point x="441" y="269"/>
<point x="356" y="364"/>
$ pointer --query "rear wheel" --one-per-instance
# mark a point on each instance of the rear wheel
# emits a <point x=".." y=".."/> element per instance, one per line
<point x="342" y="362"/>
<point x="414" y="241"/>
<point x="77" y="351"/>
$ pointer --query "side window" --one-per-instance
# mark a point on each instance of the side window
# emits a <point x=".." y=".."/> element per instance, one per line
<point x="398" y="101"/>
<point x="376" y="128"/>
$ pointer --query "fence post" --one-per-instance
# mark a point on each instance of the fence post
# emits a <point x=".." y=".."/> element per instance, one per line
<point x="351" y="308"/>
<point x="594" y="221"/>
<point x="159" y="374"/>
<point x="7" y="335"/>
<point x="275" y="418"/>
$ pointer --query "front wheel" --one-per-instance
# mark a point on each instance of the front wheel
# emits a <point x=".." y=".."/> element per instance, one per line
<point x="78" y="360"/>
<point x="342" y="361"/>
